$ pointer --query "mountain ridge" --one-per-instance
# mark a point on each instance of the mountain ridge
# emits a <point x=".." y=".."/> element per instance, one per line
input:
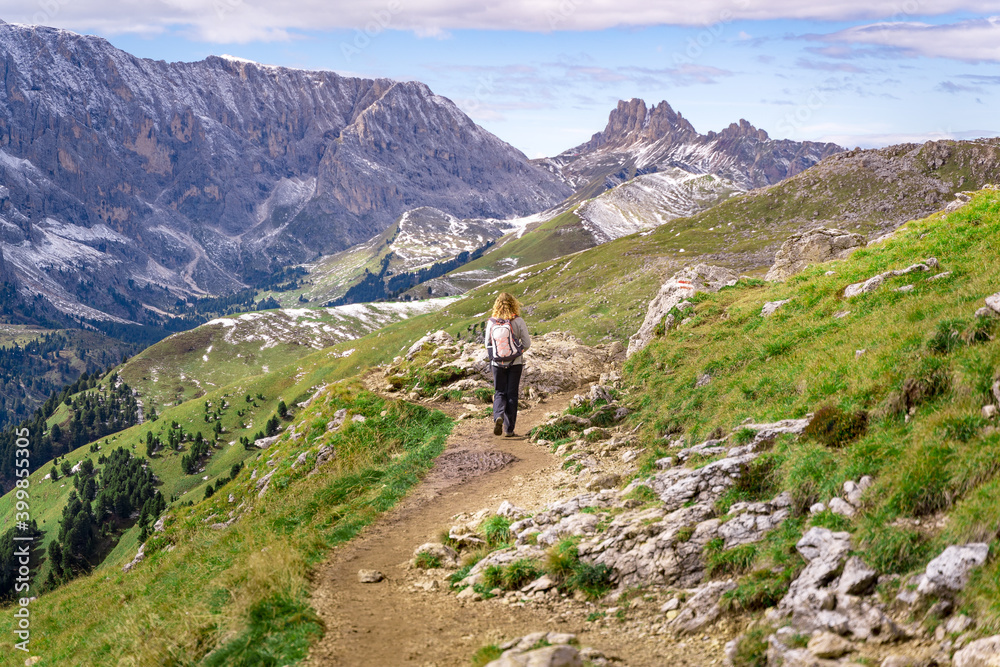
<point x="219" y="172"/>
<point x="640" y="139"/>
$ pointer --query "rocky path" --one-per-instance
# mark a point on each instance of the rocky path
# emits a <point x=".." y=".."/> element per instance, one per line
<point x="391" y="622"/>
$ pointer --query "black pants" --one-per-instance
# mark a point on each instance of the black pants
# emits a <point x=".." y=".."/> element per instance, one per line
<point x="505" y="383"/>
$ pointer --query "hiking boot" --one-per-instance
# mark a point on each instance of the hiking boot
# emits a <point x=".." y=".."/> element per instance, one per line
<point x="498" y="426"/>
<point x="510" y="435"/>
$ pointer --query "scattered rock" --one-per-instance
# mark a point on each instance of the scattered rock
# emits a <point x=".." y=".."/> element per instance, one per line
<point x="956" y="625"/>
<point x="830" y="646"/>
<point x="949" y="572"/>
<point x="986" y="311"/>
<point x="435" y="339"/>
<point x="858" y="578"/>
<point x="558" y="653"/>
<point x="812" y="247"/>
<point x="896" y="660"/>
<point x="841" y="507"/>
<point x="989" y="411"/>
<point x="370" y="576"/>
<point x="468" y="594"/>
<point x="264" y="443"/>
<point x="703" y="607"/>
<point x="542" y="584"/>
<point x="511" y="511"/>
<point x="447" y="556"/>
<point x="139" y="557"/>
<point x="993" y="302"/>
<point x="980" y="653"/>
<point x="682" y="285"/>
<point x="771" y="306"/>
<point x="875" y="282"/>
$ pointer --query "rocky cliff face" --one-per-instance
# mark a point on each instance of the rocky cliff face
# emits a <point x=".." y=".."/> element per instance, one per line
<point x="198" y="177"/>
<point x="640" y="140"/>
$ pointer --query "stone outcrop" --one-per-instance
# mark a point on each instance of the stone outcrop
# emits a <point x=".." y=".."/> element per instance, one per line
<point x="980" y="653"/>
<point x="681" y="286"/>
<point x="821" y="598"/>
<point x="547" y="649"/>
<point x="812" y="247"/>
<point x="949" y="572"/>
<point x="875" y="282"/>
<point x="555" y="361"/>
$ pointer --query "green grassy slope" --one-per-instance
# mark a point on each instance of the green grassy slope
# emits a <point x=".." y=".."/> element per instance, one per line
<point x="189" y="364"/>
<point x="922" y="349"/>
<point x="238" y="595"/>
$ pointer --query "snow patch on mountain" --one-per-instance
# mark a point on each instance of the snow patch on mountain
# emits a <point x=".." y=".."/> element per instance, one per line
<point x="651" y="200"/>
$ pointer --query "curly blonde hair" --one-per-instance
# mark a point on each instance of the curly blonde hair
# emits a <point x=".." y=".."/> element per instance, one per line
<point x="506" y="307"/>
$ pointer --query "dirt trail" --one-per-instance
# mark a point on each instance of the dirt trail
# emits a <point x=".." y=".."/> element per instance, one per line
<point x="390" y="623"/>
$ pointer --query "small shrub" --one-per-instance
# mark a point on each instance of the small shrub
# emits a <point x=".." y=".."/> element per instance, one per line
<point x="751" y="648"/>
<point x="483" y="394"/>
<point x="493" y="577"/>
<point x="426" y="561"/>
<point x="520" y="572"/>
<point x="834" y="427"/>
<point x="744" y="436"/>
<point x="759" y="590"/>
<point x="963" y="429"/>
<point x="593" y="580"/>
<point x="932" y="379"/>
<point x="604" y="416"/>
<point x="983" y="329"/>
<point x="721" y="561"/>
<point x="552" y="431"/>
<point x="485" y="655"/>
<point x="459" y="574"/>
<point x="496" y="530"/>
<point x="947" y="336"/>
<point x="562" y="557"/>
<point x="685" y="533"/>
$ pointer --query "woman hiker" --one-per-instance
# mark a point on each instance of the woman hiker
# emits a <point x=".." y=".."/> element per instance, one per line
<point x="506" y="339"/>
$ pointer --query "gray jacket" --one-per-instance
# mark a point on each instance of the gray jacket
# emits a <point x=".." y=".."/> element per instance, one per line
<point x="520" y="330"/>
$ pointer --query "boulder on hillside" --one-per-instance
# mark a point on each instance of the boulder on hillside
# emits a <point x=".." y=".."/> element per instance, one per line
<point x="434" y="339"/>
<point x="993" y="302"/>
<point x="555" y="362"/>
<point x="980" y="653"/>
<point x="682" y="285"/>
<point x="950" y="571"/>
<point x="812" y="247"/>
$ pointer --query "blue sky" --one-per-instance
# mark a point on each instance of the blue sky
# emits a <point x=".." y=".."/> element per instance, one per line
<point x="544" y="75"/>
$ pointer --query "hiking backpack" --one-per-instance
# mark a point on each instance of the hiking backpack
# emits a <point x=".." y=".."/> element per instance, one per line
<point x="503" y="346"/>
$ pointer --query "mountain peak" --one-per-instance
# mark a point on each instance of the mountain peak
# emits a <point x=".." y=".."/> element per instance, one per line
<point x="632" y="121"/>
<point x="640" y="139"/>
<point x="740" y="130"/>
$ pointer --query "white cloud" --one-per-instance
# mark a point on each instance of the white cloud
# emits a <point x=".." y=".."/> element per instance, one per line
<point x="246" y="20"/>
<point x="971" y="41"/>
